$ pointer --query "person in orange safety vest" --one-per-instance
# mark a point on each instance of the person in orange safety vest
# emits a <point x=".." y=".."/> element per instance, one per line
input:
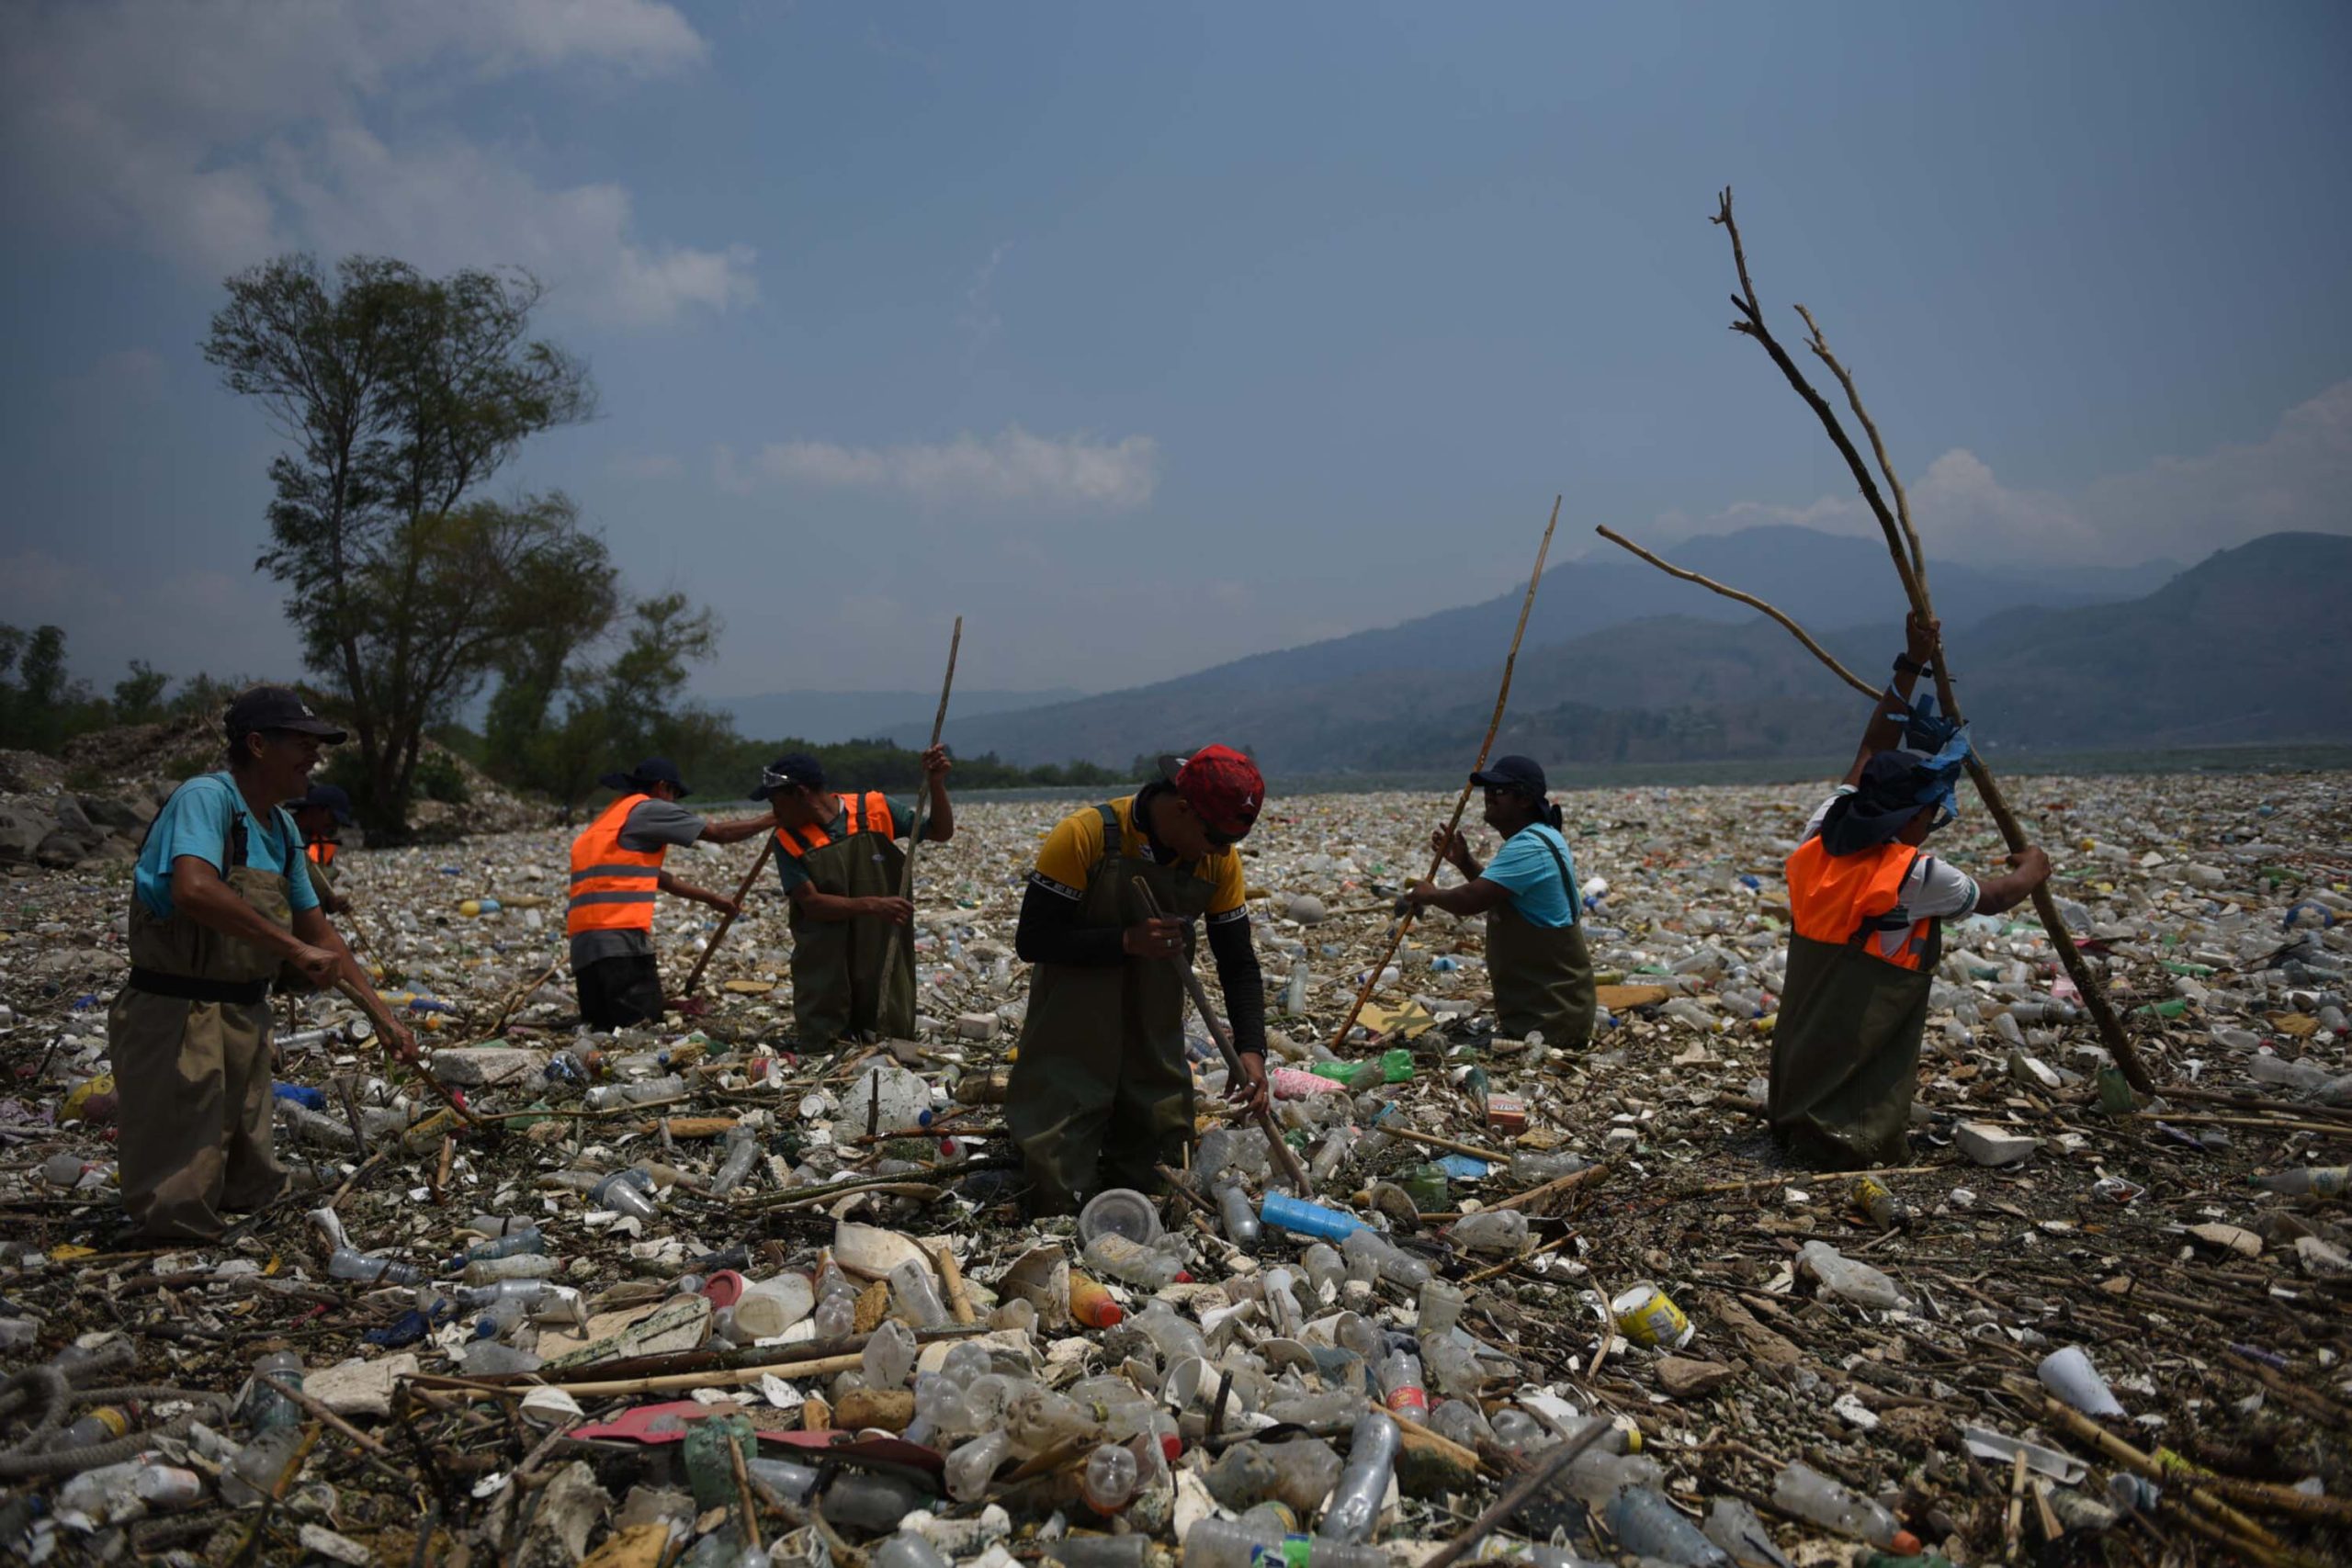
<point x="1868" y="903"/>
<point x="616" y="872"/>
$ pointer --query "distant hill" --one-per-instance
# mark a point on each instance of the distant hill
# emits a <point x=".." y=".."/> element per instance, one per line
<point x="831" y="718"/>
<point x="2246" y="646"/>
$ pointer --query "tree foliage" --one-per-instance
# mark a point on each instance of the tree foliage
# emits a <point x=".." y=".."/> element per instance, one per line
<point x="400" y="397"/>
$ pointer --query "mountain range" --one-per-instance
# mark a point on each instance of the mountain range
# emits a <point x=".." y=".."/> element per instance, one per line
<point x="830" y="717"/>
<point x="1624" y="664"/>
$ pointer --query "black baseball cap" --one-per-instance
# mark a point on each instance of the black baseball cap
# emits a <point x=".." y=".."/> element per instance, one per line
<point x="792" y="768"/>
<point x="652" y="771"/>
<point x="1512" y="773"/>
<point x="325" y="797"/>
<point x="278" y="708"/>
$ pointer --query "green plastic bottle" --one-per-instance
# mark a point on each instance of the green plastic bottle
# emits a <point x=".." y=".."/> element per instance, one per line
<point x="1396" y="1066"/>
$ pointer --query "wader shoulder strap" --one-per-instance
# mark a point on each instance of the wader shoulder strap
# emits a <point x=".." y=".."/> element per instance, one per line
<point x="1568" y="877"/>
<point x="1112" y="845"/>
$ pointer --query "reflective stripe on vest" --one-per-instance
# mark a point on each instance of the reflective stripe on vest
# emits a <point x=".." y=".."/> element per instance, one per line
<point x="868" y="813"/>
<point x="612" y="888"/>
<point x="1842" y="898"/>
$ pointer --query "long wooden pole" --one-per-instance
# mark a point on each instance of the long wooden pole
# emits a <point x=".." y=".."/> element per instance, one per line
<point x="1293" y="1172"/>
<point x="727" y="921"/>
<point x="1404" y="922"/>
<point x="1910" y="568"/>
<point x="923" y="803"/>
<point x="369" y="1003"/>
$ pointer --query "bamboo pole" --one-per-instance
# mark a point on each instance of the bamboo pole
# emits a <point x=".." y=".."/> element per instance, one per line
<point x="1404" y="922"/>
<point x="371" y="1004"/>
<point x="1910" y="566"/>
<point x="727" y="921"/>
<point x="914" y="840"/>
<point x="1293" y="1172"/>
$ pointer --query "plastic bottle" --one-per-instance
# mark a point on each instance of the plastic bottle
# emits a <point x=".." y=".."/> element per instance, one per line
<point x="1531" y="1166"/>
<point x="1492" y="1230"/>
<point x="1646" y="1525"/>
<point x="115" y="1493"/>
<point x="1090" y="1304"/>
<point x="1283" y="1305"/>
<point x="514" y="1243"/>
<point x="908" y="1550"/>
<point x="1841" y="1275"/>
<point x="1439" y="1309"/>
<point x="350" y="1263"/>
<point x="1326" y="1270"/>
<point x="1125" y="1260"/>
<point x="1213" y="1543"/>
<point x="1806" y="1492"/>
<point x="628" y="1192"/>
<point x="1170" y="1334"/>
<point x="2319" y="1180"/>
<point x="791" y="1482"/>
<point x="607" y="1097"/>
<point x="1295" y="991"/>
<point x="743" y="1148"/>
<point x="1240" y="1221"/>
<point x="888" y="1357"/>
<point x="1353" y="1510"/>
<point x="868" y="1501"/>
<point x="1110" y="1479"/>
<point x="1460" y="1421"/>
<point x="103" y="1424"/>
<point x="769" y="1307"/>
<point x="1392" y="1265"/>
<point x="1302" y="1218"/>
<point x="269" y="1408"/>
<point x="971" y="1465"/>
<point x="1452" y="1366"/>
<point x="1400" y="1384"/>
<point x="1334" y="1153"/>
<point x="521" y="1266"/>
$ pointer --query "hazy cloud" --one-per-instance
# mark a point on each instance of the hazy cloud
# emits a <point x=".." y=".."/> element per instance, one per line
<point x="1071" y="472"/>
<point x="217" y="134"/>
<point x="2297" y="478"/>
<point x="223" y="623"/>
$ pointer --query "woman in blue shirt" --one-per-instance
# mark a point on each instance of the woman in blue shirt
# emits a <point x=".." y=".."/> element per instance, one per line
<point x="1535" y="952"/>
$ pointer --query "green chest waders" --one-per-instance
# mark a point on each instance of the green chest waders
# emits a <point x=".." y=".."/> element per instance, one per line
<point x="189" y="1039"/>
<point x="1543" y="977"/>
<point x="1846" y="1050"/>
<point x="1101" y="1093"/>
<point x="837" y="965"/>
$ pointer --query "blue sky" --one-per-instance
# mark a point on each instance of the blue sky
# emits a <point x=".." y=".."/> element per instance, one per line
<point x="1146" y="338"/>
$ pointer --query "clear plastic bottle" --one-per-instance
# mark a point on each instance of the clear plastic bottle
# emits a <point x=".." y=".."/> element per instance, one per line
<point x="521" y="1266"/>
<point x="743" y="1148"/>
<point x="1240" y="1221"/>
<point x="908" y="1550"/>
<point x="768" y="1307"/>
<point x="350" y="1263"/>
<point x="1364" y="1248"/>
<point x="271" y="1409"/>
<point x="2319" y="1180"/>
<point x="1353" y="1510"/>
<point x="1172" y="1334"/>
<point x="1110" y="1479"/>
<point x="1326" y="1270"/>
<point x="1439" y="1308"/>
<point x="972" y="1464"/>
<point x="1136" y="1265"/>
<point x="1452" y="1366"/>
<point x="1806" y="1492"/>
<point x="628" y="1192"/>
<point x="1334" y="1152"/>
<point x="607" y="1097"/>
<point x="1492" y="1230"/>
<point x="108" y="1422"/>
<point x="912" y="1288"/>
<point x="512" y="1245"/>
<point x="1461" y="1421"/>
<point x="869" y="1502"/>
<point x="1213" y="1543"/>
<point x="889" y="1356"/>
<point x="1843" y="1277"/>
<point x="791" y="1482"/>
<point x="1648" y="1526"/>
<point x="1400" y="1384"/>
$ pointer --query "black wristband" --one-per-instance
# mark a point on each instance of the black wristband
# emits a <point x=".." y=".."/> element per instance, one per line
<point x="1905" y="665"/>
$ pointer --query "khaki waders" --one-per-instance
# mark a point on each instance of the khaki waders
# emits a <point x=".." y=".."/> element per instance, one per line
<point x="189" y="1040"/>
<point x="837" y="965"/>
<point x="1846" y="1050"/>
<point x="1543" y="977"/>
<point x="1101" y="1093"/>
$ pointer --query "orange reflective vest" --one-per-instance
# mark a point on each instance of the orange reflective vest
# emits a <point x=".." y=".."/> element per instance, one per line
<point x="867" y="812"/>
<point x="323" y="851"/>
<point x="612" y="888"/>
<point x="1839" y="899"/>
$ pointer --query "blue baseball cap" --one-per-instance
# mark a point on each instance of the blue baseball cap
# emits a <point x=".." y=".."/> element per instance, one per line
<point x="325" y="797"/>
<point x="652" y="771"/>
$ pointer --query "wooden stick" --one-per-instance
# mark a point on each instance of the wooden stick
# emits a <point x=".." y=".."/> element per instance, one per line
<point x="376" y="1455"/>
<point x="1910" y="568"/>
<point x="1750" y="600"/>
<point x="1404" y="922"/>
<point x="1516" y="1496"/>
<point x="1435" y="1141"/>
<point x="1293" y="1172"/>
<point x="951" y="1279"/>
<point x="922" y="801"/>
<point x="373" y="1006"/>
<point x="726" y="921"/>
<point x="1552" y="1188"/>
<point x="2116" y="1448"/>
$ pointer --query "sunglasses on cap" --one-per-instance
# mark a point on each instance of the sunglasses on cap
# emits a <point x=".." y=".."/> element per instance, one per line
<point x="771" y="779"/>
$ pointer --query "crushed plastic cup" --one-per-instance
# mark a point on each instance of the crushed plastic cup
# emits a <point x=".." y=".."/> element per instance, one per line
<point x="1119" y="1211"/>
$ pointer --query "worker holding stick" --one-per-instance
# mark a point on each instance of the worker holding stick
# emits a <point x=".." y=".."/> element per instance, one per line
<point x="1101" y="1094"/>
<point x="1535" y="948"/>
<point x="1867" y="906"/>
<point x="615" y="871"/>
<point x="839" y="860"/>
<point x="220" y="900"/>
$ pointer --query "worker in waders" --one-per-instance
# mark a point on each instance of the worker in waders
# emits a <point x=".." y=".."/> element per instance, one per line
<point x="840" y="863"/>
<point x="320" y="814"/>
<point x="615" y="871"/>
<point x="1536" y="957"/>
<point x="1102" y="1094"/>
<point x="1868" y="904"/>
<point x="220" y="900"/>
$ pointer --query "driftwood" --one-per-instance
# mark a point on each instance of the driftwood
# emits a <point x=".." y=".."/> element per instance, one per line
<point x="914" y="839"/>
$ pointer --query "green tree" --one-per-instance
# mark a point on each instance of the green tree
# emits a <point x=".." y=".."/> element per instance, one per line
<point x="42" y="706"/>
<point x="401" y="396"/>
<point x="139" y="696"/>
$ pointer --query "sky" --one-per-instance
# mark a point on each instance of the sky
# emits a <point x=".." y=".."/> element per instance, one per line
<point x="1149" y="337"/>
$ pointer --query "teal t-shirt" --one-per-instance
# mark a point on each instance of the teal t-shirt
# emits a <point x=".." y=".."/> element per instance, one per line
<point x="196" y="821"/>
<point x="1538" y="888"/>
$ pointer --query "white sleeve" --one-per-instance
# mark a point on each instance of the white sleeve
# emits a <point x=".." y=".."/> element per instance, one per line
<point x="1937" y="889"/>
<point x="1813" y="823"/>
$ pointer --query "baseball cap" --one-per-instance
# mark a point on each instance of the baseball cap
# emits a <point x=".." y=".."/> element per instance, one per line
<point x="327" y="797"/>
<point x="1512" y="773"/>
<point x="792" y="768"/>
<point x="278" y="708"/>
<point x="1221" y="786"/>
<point x="652" y="771"/>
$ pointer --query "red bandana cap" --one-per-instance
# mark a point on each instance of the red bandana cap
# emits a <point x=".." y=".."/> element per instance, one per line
<point x="1223" y="787"/>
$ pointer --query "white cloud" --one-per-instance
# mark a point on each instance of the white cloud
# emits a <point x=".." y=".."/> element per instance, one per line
<point x="2297" y="478"/>
<point x="215" y="135"/>
<point x="1072" y="472"/>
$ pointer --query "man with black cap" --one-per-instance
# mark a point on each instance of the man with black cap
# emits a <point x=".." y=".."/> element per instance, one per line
<point x="219" y="902"/>
<point x="1536" y="957"/>
<point x="840" y="864"/>
<point x="1868" y="907"/>
<point x="615" y="871"/>
<point x="1101" y="1094"/>
<point x="319" y="814"/>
